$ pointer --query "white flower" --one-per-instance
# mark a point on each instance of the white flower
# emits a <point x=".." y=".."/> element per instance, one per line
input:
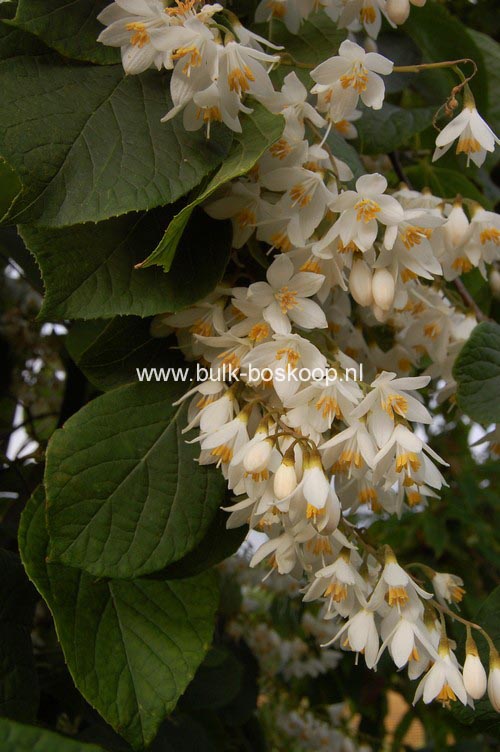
<point x="293" y="105"/>
<point x="322" y="402"/>
<point x="135" y="27"/>
<point x="352" y="74"/>
<point x="281" y="361"/>
<point x="305" y="200"/>
<point x="474" y="675"/>
<point x="494" y="682"/>
<point x="475" y="137"/>
<point x="388" y="399"/>
<point x="443" y="682"/>
<point x="284" y="297"/>
<point x="360" y="212"/>
<point x="448" y="587"/>
<point x="395" y="586"/>
<point x="362" y="635"/>
<point x="242" y="71"/>
<point x="242" y="206"/>
<point x="350" y="449"/>
<point x="402" y="459"/>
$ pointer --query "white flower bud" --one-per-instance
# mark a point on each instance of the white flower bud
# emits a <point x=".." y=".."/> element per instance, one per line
<point x="383" y="288"/>
<point x="379" y="314"/>
<point x="494" y="683"/>
<point x="257" y="456"/>
<point x="456" y="226"/>
<point x="495" y="282"/>
<point x="474" y="676"/>
<point x="285" y="480"/>
<point x="398" y="10"/>
<point x="360" y="283"/>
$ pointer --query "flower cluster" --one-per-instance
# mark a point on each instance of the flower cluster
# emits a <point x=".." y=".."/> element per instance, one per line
<point x="316" y="421"/>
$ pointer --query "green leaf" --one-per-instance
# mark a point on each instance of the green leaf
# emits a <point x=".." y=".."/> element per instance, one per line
<point x="18" y="677"/>
<point x="260" y="130"/>
<point x="490" y="50"/>
<point x="218" y="544"/>
<point x="14" y="42"/>
<point x="88" y="144"/>
<point x="319" y="39"/>
<point x="442" y="36"/>
<point x="125" y="344"/>
<point x="99" y="279"/>
<point x="68" y="26"/>
<point x="484" y="719"/>
<point x="341" y="149"/>
<point x="9" y="187"/>
<point x="382" y="131"/>
<point x="131" y="646"/>
<point x="15" y="737"/>
<point x="443" y="182"/>
<point x="477" y="373"/>
<point x="125" y="496"/>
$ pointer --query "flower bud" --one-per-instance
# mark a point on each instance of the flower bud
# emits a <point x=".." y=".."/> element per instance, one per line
<point x="379" y="314"/>
<point x="285" y="479"/>
<point x="398" y="10"/>
<point x="495" y="282"/>
<point x="257" y="456"/>
<point x="494" y="682"/>
<point x="474" y="674"/>
<point x="383" y="288"/>
<point x="456" y="226"/>
<point x="360" y="283"/>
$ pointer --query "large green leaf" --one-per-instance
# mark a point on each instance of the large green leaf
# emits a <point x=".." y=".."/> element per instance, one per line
<point x="18" y="677"/>
<point x="442" y="37"/>
<point x="99" y="279"/>
<point x="382" y="131"/>
<point x="444" y="182"/>
<point x="490" y="50"/>
<point x="477" y="373"/>
<point x="260" y="130"/>
<point x="68" y="26"/>
<point x="125" y="494"/>
<point x="88" y="144"/>
<point x="484" y="718"/>
<point x="16" y="737"/>
<point x="319" y="39"/>
<point x="131" y="646"/>
<point x="125" y="344"/>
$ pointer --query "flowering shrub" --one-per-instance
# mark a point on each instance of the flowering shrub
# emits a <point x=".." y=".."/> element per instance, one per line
<point x="266" y="234"/>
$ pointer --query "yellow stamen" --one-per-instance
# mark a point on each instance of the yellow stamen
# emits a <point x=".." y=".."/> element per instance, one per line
<point x="406" y="461"/>
<point x="329" y="408"/>
<point x="259" y="332"/>
<point x="367" y="14"/>
<point x="141" y="37"/>
<point x="281" y="149"/>
<point x="292" y="356"/>
<point x="490" y="235"/>
<point x="246" y="218"/>
<point x="300" y="195"/>
<point x="397" y="596"/>
<point x="286" y="298"/>
<point x="432" y="330"/>
<point x="337" y="592"/>
<point x="414" y="236"/>
<point x="462" y="264"/>
<point x="224" y="452"/>
<point x="239" y="78"/>
<point x="468" y="146"/>
<point x="366" y="210"/>
<point x="395" y="403"/>
<point x="446" y="695"/>
<point x="357" y="78"/>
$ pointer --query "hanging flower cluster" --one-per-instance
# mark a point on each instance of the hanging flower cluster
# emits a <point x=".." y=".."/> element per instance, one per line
<point x="306" y="416"/>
